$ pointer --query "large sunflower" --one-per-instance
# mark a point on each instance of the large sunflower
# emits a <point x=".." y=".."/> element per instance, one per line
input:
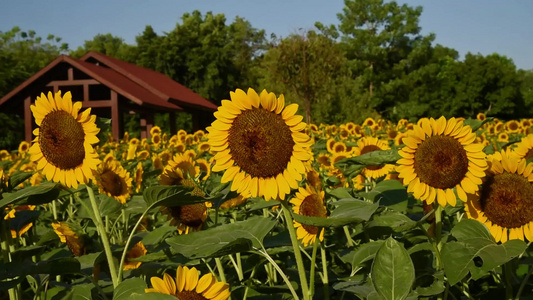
<point x="524" y="149"/>
<point x="190" y="286"/>
<point x="505" y="202"/>
<point x="114" y="181"/>
<point x="309" y="202"/>
<point x="62" y="144"/>
<point x="260" y="144"/>
<point x="440" y="156"/>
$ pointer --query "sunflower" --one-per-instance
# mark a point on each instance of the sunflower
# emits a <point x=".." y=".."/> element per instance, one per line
<point x="62" y="144"/>
<point x="186" y="164"/>
<point x="136" y="251"/>
<point x="189" y="217"/>
<point x="524" y="149"/>
<point x="70" y="237"/>
<point x="505" y="201"/>
<point x="23" y="148"/>
<point x="371" y="144"/>
<point x="138" y="177"/>
<point x="205" y="167"/>
<point x="481" y="117"/>
<point x="440" y="156"/>
<point x="512" y="126"/>
<point x="190" y="286"/>
<point x="309" y="202"/>
<point x="234" y="202"/>
<point x="114" y="181"/>
<point x="260" y="144"/>
<point x="155" y="130"/>
<point x="16" y="232"/>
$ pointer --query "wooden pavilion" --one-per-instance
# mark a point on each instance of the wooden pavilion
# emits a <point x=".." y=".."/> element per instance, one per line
<point x="112" y="88"/>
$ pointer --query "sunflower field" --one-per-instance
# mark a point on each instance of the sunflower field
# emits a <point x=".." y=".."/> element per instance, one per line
<point x="261" y="205"/>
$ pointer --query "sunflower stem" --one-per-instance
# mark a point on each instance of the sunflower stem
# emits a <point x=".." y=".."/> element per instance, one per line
<point x="508" y="273"/>
<point x="237" y="268"/>
<point x="128" y="242"/>
<point x="349" y="240"/>
<point x="295" y="246"/>
<point x="54" y="209"/>
<point x="438" y="233"/>
<point x="312" y="272"/>
<point x="220" y="269"/>
<point x="103" y="235"/>
<point x="524" y="282"/>
<point x="325" y="278"/>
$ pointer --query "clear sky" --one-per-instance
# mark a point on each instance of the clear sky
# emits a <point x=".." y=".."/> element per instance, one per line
<point x="477" y="26"/>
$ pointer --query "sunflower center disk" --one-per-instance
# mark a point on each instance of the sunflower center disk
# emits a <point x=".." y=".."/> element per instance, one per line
<point x="193" y="215"/>
<point x="190" y="295"/>
<point x="529" y="154"/>
<point x="61" y="139"/>
<point x="312" y="207"/>
<point x="507" y="200"/>
<point x="261" y="143"/>
<point x="112" y="183"/>
<point x="441" y="162"/>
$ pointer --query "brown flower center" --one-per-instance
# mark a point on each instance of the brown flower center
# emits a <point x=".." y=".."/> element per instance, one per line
<point x="192" y="215"/>
<point x="261" y="143"/>
<point x="529" y="154"/>
<point x="61" y="138"/>
<point x="190" y="295"/>
<point x="507" y="200"/>
<point x="441" y="162"/>
<point x="111" y="182"/>
<point x="312" y="206"/>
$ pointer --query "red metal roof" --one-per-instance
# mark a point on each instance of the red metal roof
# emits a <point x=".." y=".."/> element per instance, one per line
<point x="156" y="82"/>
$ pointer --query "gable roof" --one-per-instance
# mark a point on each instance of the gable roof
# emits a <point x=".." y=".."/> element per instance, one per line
<point x="142" y="86"/>
<point x="156" y="82"/>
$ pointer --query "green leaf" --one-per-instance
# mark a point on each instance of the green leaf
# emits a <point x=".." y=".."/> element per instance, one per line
<point x="374" y="158"/>
<point x="390" y="193"/>
<point x="108" y="205"/>
<point x="127" y="287"/>
<point x="176" y="195"/>
<point x="348" y="211"/>
<point x="53" y="267"/>
<point x="19" y="177"/>
<point x="474" y="240"/>
<point x="224" y="239"/>
<point x="362" y="290"/>
<point x="80" y="292"/>
<point x="43" y="193"/>
<point x="397" y="222"/>
<point x="340" y="193"/>
<point x="393" y="272"/>
<point x="476" y="124"/>
<point x="362" y="253"/>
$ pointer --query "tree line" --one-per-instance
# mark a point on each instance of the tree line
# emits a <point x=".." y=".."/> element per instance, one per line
<point x="375" y="62"/>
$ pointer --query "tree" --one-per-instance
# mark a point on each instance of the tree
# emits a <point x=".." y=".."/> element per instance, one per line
<point x="310" y="69"/>
<point x="378" y="36"/>
<point x="22" y="54"/>
<point x="109" y="45"/>
<point x="205" y="54"/>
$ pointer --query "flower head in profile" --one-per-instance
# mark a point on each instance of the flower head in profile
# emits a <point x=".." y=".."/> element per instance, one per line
<point x="70" y="237"/>
<point x="136" y="251"/>
<point x="505" y="201"/>
<point x="440" y="157"/>
<point x="259" y="144"/>
<point x="188" y="285"/>
<point x="63" y="142"/>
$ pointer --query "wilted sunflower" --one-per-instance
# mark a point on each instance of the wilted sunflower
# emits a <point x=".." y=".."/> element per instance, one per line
<point x="371" y="144"/>
<point x="440" y="156"/>
<point x="70" y="237"/>
<point x="62" y="144"/>
<point x="309" y="202"/>
<point x="260" y="144"/>
<point x="505" y="202"/>
<point x="190" y="286"/>
<point x="136" y="251"/>
<point x="114" y="181"/>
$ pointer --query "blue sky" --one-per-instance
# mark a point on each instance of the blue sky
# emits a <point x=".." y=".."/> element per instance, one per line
<point x="477" y="26"/>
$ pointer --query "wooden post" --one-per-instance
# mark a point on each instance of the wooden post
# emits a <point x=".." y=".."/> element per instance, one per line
<point x="28" y="120"/>
<point x="172" y="121"/>
<point x="147" y="122"/>
<point x="116" y="117"/>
